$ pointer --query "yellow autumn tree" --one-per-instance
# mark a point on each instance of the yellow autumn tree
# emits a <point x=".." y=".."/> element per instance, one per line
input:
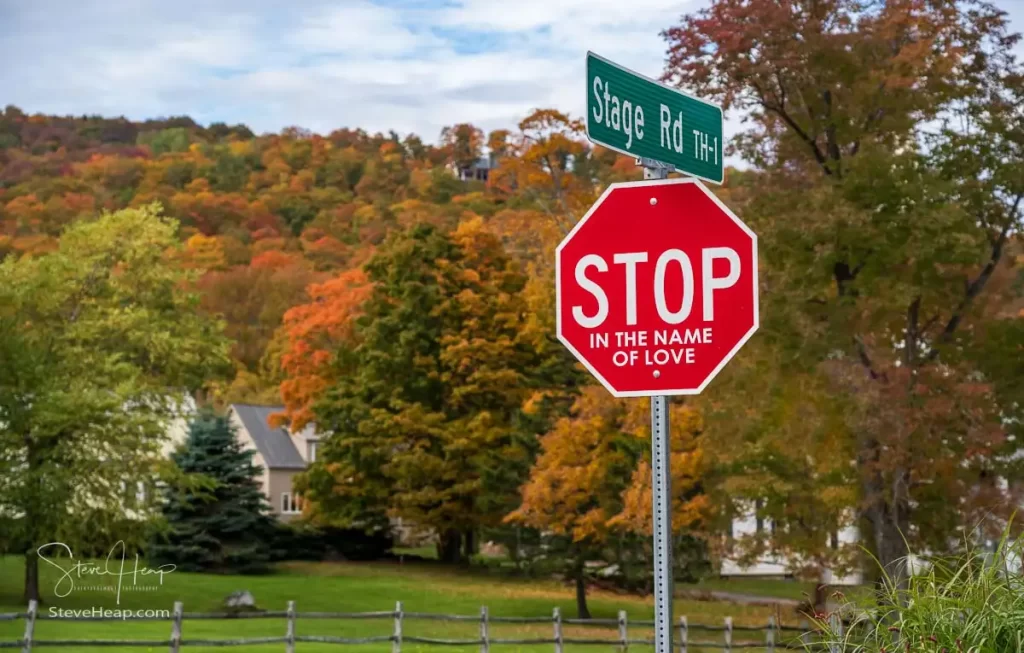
<point x="204" y="252"/>
<point x="541" y="170"/>
<point x="576" y="483"/>
<point x="690" y="507"/>
<point x="590" y="486"/>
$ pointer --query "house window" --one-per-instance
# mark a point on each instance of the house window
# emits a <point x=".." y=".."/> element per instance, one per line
<point x="133" y="498"/>
<point x="311" y="451"/>
<point x="290" y="504"/>
<point x="758" y="507"/>
<point x="833" y="539"/>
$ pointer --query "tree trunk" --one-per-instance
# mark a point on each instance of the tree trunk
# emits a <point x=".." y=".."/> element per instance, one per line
<point x="887" y="496"/>
<point x="516" y="550"/>
<point x="469" y="545"/>
<point x="32" y="522"/>
<point x="890" y="529"/>
<point x="449" y="546"/>
<point x="820" y="603"/>
<point x="582" y="612"/>
<point x="31" y="576"/>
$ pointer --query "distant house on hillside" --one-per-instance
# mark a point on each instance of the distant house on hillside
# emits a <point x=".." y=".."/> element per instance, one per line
<point x="279" y="452"/>
<point x="479" y="171"/>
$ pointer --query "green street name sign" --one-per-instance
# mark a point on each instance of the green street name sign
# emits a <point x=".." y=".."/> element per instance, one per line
<point x="638" y="116"/>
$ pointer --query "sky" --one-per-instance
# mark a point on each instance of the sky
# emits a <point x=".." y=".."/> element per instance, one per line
<point x="413" y="66"/>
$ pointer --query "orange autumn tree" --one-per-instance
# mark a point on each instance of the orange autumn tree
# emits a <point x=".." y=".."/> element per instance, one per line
<point x="575" y="486"/>
<point x="544" y="167"/>
<point x="590" y="484"/>
<point x="253" y="300"/>
<point x="313" y="332"/>
<point x="690" y="506"/>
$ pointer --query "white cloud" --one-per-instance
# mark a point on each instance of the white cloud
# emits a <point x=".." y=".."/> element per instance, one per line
<point x="409" y="65"/>
<point x="319" y="64"/>
<point x="534" y="14"/>
<point x="360" y="29"/>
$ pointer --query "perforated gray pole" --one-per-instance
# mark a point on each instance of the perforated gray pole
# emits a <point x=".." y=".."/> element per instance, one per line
<point x="661" y="494"/>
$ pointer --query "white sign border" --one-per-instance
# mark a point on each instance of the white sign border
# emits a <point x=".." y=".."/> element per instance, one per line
<point x="558" y="287"/>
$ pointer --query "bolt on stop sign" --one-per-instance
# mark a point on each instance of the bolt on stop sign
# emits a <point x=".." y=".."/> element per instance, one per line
<point x="657" y="287"/>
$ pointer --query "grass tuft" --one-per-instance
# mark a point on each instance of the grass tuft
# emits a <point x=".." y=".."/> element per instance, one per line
<point x="971" y="603"/>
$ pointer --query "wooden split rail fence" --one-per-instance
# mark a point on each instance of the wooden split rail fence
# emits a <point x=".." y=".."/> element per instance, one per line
<point x="769" y="637"/>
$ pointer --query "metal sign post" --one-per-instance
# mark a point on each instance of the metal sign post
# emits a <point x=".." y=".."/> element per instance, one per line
<point x="661" y="492"/>
<point x="636" y="347"/>
<point x="662" y="505"/>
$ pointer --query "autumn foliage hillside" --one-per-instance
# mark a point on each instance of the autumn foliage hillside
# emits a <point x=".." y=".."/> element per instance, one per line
<point x="270" y="217"/>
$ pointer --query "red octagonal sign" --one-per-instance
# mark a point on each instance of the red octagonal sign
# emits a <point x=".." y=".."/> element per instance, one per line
<point x="657" y="287"/>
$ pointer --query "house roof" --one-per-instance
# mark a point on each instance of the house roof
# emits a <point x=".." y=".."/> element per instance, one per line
<point x="274" y="444"/>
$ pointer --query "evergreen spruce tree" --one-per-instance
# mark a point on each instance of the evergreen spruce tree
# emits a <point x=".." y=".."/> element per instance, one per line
<point x="227" y="528"/>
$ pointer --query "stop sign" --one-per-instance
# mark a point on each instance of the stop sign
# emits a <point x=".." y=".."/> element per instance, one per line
<point x="657" y="287"/>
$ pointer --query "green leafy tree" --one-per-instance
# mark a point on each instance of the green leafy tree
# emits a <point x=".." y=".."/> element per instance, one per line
<point x="424" y="420"/>
<point x="172" y="139"/>
<point x="227" y="528"/>
<point x="887" y="143"/>
<point x="97" y="339"/>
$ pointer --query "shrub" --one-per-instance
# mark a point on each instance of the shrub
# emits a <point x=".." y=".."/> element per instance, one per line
<point x="972" y="603"/>
<point x="304" y="542"/>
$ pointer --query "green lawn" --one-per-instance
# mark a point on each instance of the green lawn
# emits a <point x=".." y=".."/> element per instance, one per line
<point x="350" y="587"/>
<point x="426" y="552"/>
<point x="767" y="587"/>
<point x="781" y="589"/>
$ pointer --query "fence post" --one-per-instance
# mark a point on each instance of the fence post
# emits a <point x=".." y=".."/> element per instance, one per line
<point x="805" y="636"/>
<point x="176" y="627"/>
<point x="290" y="632"/>
<point x="485" y="644"/>
<point x="728" y="634"/>
<point x="770" y="635"/>
<point x="836" y="626"/>
<point x="683" y="634"/>
<point x="623" y="632"/>
<point x="396" y="638"/>
<point x="30" y="626"/>
<point x="558" y="630"/>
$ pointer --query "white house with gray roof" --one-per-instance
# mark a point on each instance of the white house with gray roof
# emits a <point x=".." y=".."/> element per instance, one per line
<point x="279" y="452"/>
